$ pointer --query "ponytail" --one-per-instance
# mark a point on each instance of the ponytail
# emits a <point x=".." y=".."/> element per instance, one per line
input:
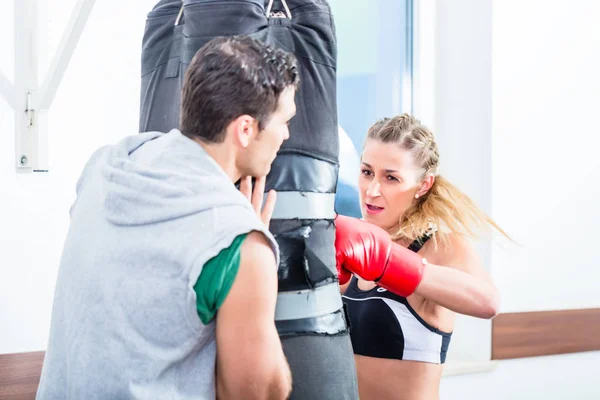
<point x="448" y="209"/>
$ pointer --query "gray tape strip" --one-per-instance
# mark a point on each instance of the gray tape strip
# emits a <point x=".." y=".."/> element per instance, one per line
<point x="308" y="303"/>
<point x="304" y="205"/>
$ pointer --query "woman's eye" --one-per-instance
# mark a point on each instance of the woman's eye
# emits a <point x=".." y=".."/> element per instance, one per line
<point x="392" y="178"/>
<point x="366" y="172"/>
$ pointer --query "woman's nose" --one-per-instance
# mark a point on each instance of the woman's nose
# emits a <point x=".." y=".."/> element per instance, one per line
<point x="374" y="189"/>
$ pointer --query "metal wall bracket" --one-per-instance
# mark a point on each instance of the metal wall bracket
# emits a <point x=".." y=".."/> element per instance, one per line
<point x="30" y="100"/>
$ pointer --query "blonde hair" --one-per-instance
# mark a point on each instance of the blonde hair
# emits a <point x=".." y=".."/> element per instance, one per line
<point x="443" y="206"/>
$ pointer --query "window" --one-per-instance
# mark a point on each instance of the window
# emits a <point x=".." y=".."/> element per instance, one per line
<point x="374" y="78"/>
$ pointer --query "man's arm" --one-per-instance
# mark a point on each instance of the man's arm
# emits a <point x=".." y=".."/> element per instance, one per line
<point x="250" y="359"/>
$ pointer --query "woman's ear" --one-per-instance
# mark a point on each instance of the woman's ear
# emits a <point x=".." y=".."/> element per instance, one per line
<point x="426" y="185"/>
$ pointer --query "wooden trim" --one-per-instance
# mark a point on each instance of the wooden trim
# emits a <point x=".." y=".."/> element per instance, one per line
<point x="20" y="375"/>
<point x="531" y="334"/>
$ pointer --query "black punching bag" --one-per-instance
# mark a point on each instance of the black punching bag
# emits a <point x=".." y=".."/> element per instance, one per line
<point x="309" y="315"/>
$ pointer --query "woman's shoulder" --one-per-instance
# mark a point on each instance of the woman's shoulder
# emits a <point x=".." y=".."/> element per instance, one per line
<point x="453" y="248"/>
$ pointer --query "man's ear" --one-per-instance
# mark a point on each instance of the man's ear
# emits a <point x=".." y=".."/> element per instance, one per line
<point x="426" y="185"/>
<point x="245" y="128"/>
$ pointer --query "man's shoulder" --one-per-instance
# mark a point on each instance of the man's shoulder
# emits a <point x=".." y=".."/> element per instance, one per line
<point x="236" y="219"/>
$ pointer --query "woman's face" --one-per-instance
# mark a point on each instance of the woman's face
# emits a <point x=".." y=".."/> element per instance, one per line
<point x="388" y="183"/>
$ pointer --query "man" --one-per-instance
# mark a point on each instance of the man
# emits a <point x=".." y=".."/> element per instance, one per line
<point x="167" y="269"/>
<point x="309" y="315"/>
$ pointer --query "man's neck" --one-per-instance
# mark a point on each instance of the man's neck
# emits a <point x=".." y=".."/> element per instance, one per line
<point x="224" y="156"/>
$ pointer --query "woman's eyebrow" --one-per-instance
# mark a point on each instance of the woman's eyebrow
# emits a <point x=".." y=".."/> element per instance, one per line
<point x="386" y="170"/>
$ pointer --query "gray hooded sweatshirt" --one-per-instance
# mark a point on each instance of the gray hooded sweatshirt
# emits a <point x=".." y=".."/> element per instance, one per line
<point x="150" y="212"/>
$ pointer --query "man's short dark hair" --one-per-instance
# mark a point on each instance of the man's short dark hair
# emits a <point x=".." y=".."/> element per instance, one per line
<point x="229" y="77"/>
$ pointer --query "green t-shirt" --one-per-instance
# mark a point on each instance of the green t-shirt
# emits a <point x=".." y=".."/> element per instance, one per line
<point x="216" y="279"/>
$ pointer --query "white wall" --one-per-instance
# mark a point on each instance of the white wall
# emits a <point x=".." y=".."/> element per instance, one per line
<point x="97" y="103"/>
<point x="561" y="377"/>
<point x="516" y="105"/>
<point x="545" y="152"/>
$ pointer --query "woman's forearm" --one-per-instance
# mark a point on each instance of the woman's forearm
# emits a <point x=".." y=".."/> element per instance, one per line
<point x="460" y="292"/>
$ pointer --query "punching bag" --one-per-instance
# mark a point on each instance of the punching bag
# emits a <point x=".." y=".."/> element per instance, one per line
<point x="309" y="314"/>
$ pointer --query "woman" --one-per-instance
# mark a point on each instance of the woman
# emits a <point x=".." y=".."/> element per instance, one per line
<point x="400" y="339"/>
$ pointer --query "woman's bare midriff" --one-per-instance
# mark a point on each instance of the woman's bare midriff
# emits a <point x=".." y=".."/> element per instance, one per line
<point x="384" y="379"/>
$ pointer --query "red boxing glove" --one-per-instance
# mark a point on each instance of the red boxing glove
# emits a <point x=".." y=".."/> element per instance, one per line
<point x="368" y="251"/>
